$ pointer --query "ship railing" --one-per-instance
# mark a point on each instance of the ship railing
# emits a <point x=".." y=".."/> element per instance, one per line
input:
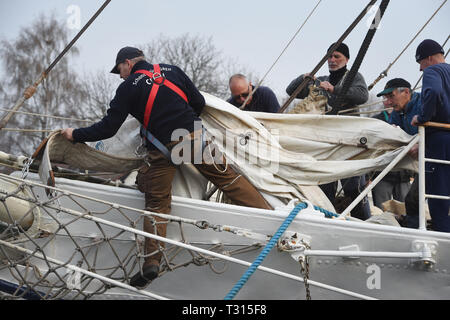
<point x="422" y="159"/>
<point x="419" y="138"/>
<point x="385" y="171"/>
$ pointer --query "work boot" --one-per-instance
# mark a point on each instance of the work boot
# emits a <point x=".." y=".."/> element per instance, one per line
<point x="143" y="277"/>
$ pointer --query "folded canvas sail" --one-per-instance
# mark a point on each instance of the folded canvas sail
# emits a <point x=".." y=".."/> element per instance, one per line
<point x="283" y="155"/>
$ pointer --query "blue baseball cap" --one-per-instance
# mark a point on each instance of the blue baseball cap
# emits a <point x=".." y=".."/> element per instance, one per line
<point x="393" y="84"/>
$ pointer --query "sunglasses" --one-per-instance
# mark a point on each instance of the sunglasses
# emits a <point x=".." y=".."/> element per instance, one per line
<point x="242" y="95"/>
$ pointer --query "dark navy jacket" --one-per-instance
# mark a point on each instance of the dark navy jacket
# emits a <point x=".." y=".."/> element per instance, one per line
<point x="435" y="95"/>
<point x="169" y="112"/>
<point x="263" y="100"/>
<point x="392" y="176"/>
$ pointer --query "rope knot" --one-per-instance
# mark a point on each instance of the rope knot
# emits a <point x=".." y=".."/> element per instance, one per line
<point x="29" y="92"/>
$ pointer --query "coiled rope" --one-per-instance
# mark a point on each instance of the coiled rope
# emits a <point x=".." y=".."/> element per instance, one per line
<point x="273" y="241"/>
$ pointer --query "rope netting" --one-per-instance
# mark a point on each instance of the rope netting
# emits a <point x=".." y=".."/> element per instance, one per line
<point x="70" y="246"/>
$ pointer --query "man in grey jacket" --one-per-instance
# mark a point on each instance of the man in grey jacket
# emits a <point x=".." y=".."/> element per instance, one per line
<point x="358" y="93"/>
<point x="332" y="83"/>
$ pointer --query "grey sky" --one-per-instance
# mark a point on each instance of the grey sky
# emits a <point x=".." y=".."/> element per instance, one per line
<point x="253" y="32"/>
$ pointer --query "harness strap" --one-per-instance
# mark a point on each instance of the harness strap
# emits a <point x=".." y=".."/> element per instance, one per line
<point x="162" y="148"/>
<point x="158" y="80"/>
<point x="155" y="76"/>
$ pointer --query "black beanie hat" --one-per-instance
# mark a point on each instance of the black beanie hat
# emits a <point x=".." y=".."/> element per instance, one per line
<point x="428" y="48"/>
<point x="342" y="49"/>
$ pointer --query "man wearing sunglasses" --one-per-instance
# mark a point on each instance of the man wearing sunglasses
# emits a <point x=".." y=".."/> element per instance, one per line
<point x="242" y="91"/>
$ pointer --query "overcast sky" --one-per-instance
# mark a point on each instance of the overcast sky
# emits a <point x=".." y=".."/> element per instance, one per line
<point x="253" y="32"/>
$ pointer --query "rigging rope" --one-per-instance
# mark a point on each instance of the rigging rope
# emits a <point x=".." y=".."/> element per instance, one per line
<point x="361" y="54"/>
<point x="282" y="52"/>
<point x="238" y="286"/>
<point x="86" y="251"/>
<point x="361" y="106"/>
<point x="44" y="115"/>
<point x="28" y="130"/>
<point x="327" y="55"/>
<point x="355" y="67"/>
<point x="32" y="89"/>
<point x="384" y="73"/>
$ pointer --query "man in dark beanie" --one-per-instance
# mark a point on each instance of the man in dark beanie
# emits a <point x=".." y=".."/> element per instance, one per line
<point x="435" y="107"/>
<point x="332" y="83"/>
<point x="357" y="94"/>
<point x="342" y="48"/>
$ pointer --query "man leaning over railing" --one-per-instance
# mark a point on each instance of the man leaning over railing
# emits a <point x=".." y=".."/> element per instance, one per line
<point x="436" y="108"/>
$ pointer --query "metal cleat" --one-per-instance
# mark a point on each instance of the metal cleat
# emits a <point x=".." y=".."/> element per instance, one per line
<point x="294" y="243"/>
<point x="429" y="251"/>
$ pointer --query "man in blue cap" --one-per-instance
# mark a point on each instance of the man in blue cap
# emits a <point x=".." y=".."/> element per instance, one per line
<point x="163" y="99"/>
<point x="406" y="104"/>
<point x="435" y="108"/>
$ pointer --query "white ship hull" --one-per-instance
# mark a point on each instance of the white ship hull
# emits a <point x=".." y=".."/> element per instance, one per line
<point x="330" y="276"/>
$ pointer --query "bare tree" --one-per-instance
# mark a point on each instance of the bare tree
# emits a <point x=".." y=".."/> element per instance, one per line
<point x="24" y="59"/>
<point x="98" y="89"/>
<point x="196" y="56"/>
<point x="232" y="66"/>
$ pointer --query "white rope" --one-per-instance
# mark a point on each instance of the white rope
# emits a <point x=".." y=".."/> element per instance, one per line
<point x="173" y="218"/>
<point x="81" y="270"/>
<point x="417" y="33"/>
<point x="384" y="73"/>
<point x="207" y="252"/>
<point x="28" y="130"/>
<point x="282" y="52"/>
<point x="361" y="106"/>
<point x="368" y="112"/>
<point x="179" y="244"/>
<point x="44" y="115"/>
